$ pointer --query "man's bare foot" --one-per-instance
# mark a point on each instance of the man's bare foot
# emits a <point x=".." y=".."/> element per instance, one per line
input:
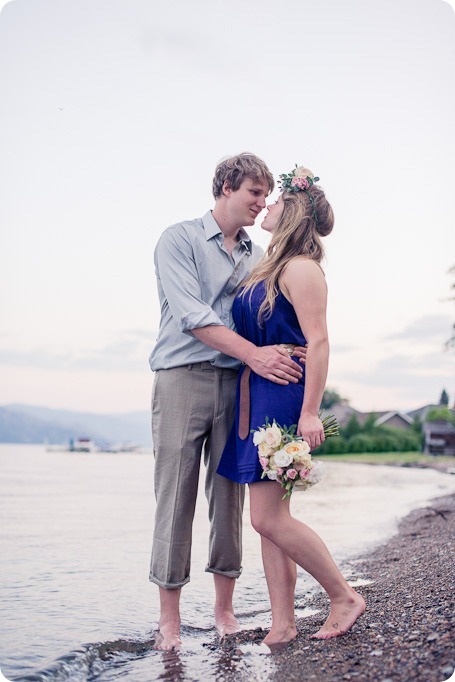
<point x="279" y="637"/>
<point x="342" y="617"/>
<point x="226" y="623"/>
<point x="168" y="636"/>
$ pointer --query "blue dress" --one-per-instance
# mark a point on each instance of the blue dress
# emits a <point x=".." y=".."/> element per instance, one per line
<point x="239" y="460"/>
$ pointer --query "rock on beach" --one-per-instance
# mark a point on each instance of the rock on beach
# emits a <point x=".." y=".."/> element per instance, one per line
<point x="407" y="632"/>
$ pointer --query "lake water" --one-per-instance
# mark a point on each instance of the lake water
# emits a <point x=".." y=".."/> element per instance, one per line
<point x="76" y="603"/>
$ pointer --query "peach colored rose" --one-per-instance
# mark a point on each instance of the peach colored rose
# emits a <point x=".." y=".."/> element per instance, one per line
<point x="297" y="449"/>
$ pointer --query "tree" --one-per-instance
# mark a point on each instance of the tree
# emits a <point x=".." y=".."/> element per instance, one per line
<point x="370" y="423"/>
<point x="450" y="343"/>
<point x="440" y="414"/>
<point x="330" y="398"/>
<point x="444" y="399"/>
<point x="352" y="428"/>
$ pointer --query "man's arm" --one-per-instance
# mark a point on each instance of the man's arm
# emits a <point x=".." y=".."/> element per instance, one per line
<point x="270" y="362"/>
<point x="181" y="285"/>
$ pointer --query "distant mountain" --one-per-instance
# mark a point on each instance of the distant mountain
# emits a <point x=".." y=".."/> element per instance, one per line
<point x="33" y="424"/>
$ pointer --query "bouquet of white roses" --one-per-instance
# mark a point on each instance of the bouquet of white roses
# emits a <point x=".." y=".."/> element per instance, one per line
<point x="286" y="458"/>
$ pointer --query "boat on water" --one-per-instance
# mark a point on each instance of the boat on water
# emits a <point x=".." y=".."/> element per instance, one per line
<point x="88" y="445"/>
<point x="82" y="445"/>
<point x="121" y="447"/>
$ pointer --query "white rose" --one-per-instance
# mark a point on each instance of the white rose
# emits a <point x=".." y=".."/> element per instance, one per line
<point x="272" y="436"/>
<point x="265" y="450"/>
<point x="317" y="472"/>
<point x="258" y="436"/>
<point x="302" y="172"/>
<point x="305" y="459"/>
<point x="272" y="475"/>
<point x="282" y="458"/>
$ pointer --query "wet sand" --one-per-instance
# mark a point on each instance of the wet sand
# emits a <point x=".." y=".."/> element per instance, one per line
<point x="407" y="632"/>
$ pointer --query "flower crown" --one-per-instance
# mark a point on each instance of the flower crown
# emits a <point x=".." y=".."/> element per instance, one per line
<point x="298" y="180"/>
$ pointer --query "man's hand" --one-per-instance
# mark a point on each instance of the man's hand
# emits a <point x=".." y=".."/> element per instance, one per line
<point x="274" y="363"/>
<point x="270" y="362"/>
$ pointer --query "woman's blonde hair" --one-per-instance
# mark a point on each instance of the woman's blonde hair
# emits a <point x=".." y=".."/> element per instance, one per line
<point x="303" y="221"/>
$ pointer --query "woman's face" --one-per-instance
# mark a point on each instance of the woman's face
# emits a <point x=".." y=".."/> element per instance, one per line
<point x="274" y="212"/>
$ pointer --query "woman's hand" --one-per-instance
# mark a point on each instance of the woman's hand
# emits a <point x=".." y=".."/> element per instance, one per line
<point x="311" y="429"/>
<point x="300" y="352"/>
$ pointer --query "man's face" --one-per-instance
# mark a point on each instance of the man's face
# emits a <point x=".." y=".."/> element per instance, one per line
<point x="247" y="202"/>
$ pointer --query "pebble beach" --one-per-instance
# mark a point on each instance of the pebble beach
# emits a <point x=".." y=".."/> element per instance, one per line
<point x="407" y="632"/>
<point x="78" y="617"/>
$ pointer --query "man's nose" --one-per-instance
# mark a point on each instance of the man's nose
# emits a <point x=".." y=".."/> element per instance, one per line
<point x="261" y="202"/>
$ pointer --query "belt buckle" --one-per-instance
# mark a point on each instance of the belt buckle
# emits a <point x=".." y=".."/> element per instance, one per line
<point x="289" y="347"/>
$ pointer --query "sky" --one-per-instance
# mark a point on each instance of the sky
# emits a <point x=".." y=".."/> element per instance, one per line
<point x="113" y="118"/>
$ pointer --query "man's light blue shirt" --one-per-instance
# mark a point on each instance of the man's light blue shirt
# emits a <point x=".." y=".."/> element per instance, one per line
<point x="197" y="281"/>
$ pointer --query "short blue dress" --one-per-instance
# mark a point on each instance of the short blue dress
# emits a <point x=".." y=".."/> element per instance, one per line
<point x="239" y="461"/>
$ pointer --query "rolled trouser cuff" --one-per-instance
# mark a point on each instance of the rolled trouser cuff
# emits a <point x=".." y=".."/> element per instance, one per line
<point x="166" y="585"/>
<point x="227" y="574"/>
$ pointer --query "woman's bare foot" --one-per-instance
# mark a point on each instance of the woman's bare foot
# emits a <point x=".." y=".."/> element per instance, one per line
<point x="343" y="615"/>
<point x="168" y="636"/>
<point x="226" y="623"/>
<point x="278" y="637"/>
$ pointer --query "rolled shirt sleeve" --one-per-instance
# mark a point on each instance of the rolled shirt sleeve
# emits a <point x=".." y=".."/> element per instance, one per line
<point x="197" y="280"/>
<point x="181" y="283"/>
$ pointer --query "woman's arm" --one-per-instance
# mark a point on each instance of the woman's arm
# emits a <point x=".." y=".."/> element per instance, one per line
<point x="304" y="283"/>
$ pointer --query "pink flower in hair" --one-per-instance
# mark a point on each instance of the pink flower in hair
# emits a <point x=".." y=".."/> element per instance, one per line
<point x="301" y="183"/>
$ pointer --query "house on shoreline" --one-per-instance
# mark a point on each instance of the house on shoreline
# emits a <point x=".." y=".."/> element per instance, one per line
<point x="439" y="435"/>
<point x="344" y="412"/>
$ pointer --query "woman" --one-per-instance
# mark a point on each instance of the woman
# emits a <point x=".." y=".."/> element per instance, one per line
<point x="284" y="302"/>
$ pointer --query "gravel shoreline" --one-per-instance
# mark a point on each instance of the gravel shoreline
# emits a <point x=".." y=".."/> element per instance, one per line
<point x="407" y="632"/>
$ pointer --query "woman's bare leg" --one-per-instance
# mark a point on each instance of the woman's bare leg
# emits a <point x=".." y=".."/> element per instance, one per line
<point x="281" y="592"/>
<point x="270" y="516"/>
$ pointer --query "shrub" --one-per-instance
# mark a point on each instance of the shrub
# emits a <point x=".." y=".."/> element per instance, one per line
<point x="336" y="445"/>
<point x="352" y="427"/>
<point x="361" y="443"/>
<point x="385" y="439"/>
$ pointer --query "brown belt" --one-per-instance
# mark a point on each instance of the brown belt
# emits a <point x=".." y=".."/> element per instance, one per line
<point x="244" y="396"/>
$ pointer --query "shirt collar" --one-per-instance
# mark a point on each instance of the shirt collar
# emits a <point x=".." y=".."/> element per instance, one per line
<point x="212" y="229"/>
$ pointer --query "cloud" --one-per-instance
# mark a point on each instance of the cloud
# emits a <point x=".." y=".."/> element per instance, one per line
<point x="128" y="354"/>
<point x="407" y="372"/>
<point x="398" y="381"/>
<point x="426" y="328"/>
<point x="342" y="348"/>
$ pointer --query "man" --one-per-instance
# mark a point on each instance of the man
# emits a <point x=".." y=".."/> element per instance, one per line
<point x="199" y="265"/>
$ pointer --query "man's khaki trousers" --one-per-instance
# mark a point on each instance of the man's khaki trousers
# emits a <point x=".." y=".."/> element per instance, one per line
<point x="193" y="411"/>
